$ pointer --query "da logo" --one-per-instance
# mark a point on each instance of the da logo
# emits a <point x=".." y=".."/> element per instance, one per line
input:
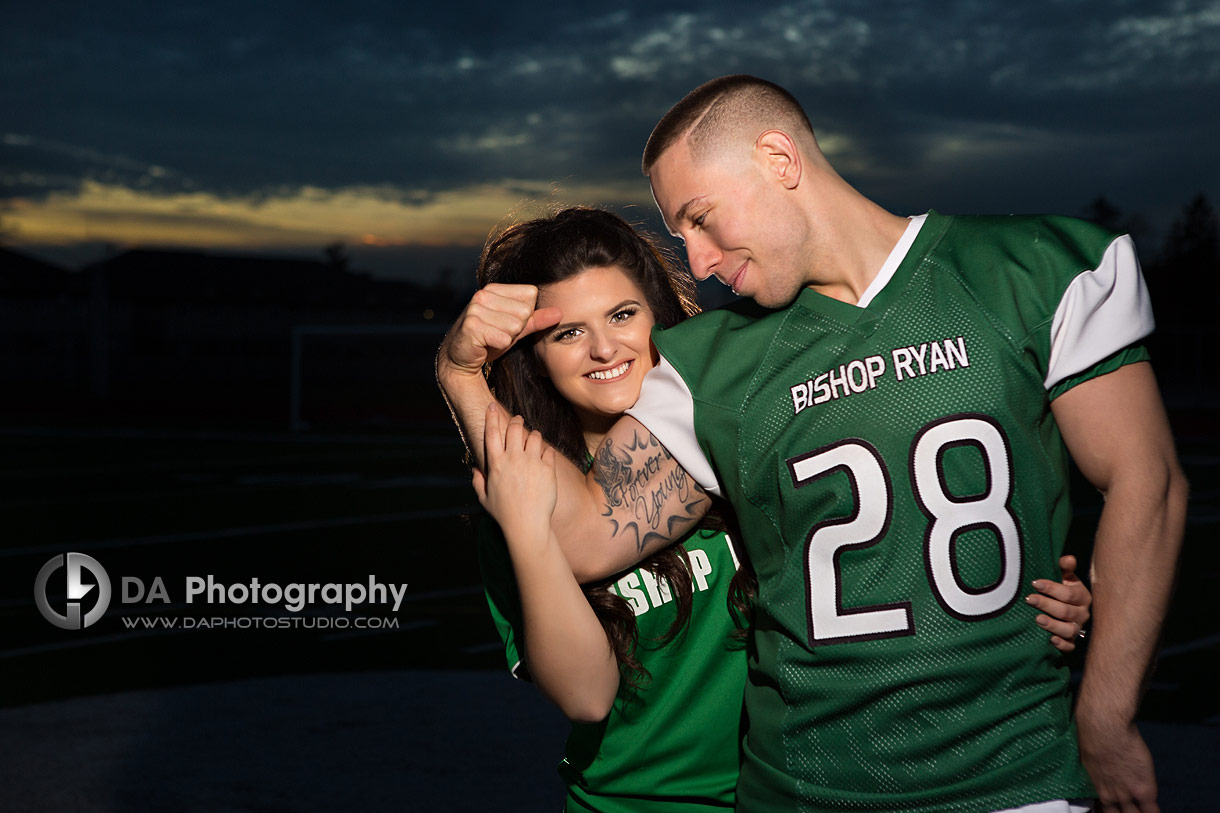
<point x="76" y="591"/>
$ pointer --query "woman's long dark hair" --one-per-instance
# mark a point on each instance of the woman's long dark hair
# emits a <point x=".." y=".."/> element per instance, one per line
<point x="551" y="249"/>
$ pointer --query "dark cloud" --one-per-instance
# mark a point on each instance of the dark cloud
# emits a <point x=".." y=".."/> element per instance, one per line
<point x="259" y="99"/>
<point x="35" y="167"/>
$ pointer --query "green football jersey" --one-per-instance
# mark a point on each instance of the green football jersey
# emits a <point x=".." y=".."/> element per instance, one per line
<point x="900" y="480"/>
<point x="673" y="743"/>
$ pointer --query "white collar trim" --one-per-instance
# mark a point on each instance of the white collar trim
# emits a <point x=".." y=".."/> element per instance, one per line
<point x="897" y="255"/>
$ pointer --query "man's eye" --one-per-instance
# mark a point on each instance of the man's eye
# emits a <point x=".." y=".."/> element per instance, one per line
<point x="698" y="221"/>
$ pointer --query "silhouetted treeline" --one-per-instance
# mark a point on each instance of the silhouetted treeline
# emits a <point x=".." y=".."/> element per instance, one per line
<point x="1183" y="274"/>
<point x="181" y="334"/>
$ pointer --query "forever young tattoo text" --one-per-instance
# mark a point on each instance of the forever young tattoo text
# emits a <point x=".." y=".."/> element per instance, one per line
<point x="639" y="481"/>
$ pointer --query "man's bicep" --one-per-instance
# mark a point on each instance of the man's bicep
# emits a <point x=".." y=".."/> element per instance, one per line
<point x="646" y="495"/>
<point x="1115" y="424"/>
<point x="635" y="500"/>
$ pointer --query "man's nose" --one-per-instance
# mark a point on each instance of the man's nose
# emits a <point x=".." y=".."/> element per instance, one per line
<point x="703" y="256"/>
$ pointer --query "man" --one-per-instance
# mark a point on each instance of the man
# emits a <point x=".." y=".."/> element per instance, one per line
<point x="891" y="441"/>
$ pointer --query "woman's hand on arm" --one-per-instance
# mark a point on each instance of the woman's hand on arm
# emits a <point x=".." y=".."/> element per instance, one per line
<point x="1064" y="605"/>
<point x="565" y="647"/>
<point x="634" y="501"/>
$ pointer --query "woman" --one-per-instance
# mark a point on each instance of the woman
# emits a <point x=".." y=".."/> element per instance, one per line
<point x="648" y="665"/>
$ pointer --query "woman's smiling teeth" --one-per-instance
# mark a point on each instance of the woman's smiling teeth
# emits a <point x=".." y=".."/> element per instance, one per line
<point x="613" y="372"/>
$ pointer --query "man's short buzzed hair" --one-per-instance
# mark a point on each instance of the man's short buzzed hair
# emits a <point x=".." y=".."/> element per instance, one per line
<point x="724" y="108"/>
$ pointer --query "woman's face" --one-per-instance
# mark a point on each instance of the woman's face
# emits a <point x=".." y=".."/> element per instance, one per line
<point x="599" y="352"/>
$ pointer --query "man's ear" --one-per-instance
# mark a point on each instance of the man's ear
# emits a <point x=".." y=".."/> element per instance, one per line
<point x="778" y="152"/>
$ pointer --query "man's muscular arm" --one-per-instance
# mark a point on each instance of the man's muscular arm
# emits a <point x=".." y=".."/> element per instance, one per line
<point x="496" y="317"/>
<point x="1116" y="430"/>
<point x="634" y="501"/>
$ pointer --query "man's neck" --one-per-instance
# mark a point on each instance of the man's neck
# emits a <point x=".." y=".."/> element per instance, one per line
<point x="862" y="251"/>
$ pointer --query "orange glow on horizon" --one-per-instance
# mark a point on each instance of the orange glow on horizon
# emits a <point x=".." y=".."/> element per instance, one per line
<point x="310" y="218"/>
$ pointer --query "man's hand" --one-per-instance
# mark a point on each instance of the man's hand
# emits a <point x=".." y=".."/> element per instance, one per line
<point x="496" y="318"/>
<point x="1120" y="766"/>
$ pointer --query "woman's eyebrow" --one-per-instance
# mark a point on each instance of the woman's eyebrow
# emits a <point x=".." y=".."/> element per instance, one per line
<point x="621" y="305"/>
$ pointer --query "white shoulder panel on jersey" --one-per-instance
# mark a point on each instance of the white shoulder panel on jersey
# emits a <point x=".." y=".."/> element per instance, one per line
<point x="667" y="410"/>
<point x="1101" y="312"/>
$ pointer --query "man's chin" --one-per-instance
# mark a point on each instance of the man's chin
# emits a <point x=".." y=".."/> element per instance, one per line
<point x="767" y="300"/>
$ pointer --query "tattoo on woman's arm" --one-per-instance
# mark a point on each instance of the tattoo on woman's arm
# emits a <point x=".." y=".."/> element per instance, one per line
<point x="661" y="501"/>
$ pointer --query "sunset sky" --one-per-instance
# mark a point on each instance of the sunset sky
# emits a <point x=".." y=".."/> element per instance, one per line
<point x="408" y="131"/>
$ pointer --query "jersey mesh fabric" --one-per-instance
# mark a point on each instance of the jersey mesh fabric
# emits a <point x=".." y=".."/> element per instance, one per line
<point x="918" y="685"/>
<point x="673" y="743"/>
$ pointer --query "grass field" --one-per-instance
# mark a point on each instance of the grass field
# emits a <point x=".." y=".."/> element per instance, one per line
<point x="338" y="508"/>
